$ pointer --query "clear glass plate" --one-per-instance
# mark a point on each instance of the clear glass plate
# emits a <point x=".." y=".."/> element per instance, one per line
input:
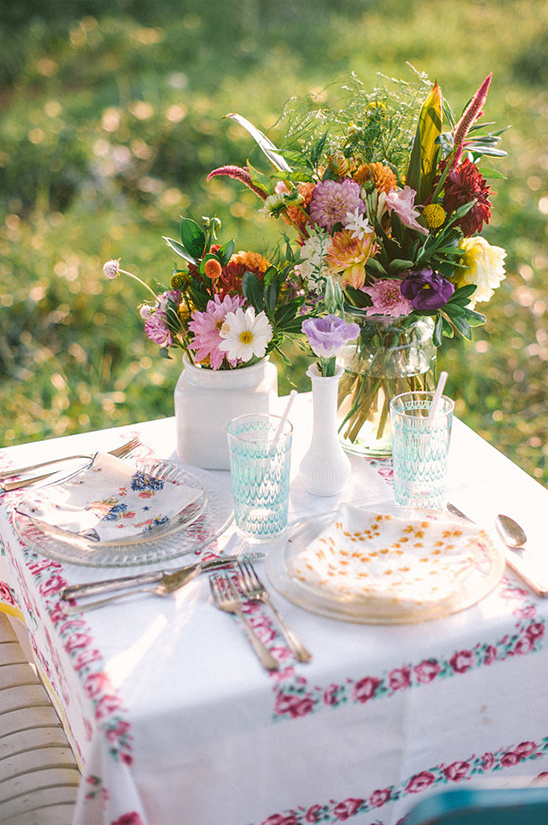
<point x="484" y="573"/>
<point x="183" y="518"/>
<point x="198" y="526"/>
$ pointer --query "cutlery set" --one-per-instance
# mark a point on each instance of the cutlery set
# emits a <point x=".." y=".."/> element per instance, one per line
<point x="226" y="596"/>
<point x="7" y="486"/>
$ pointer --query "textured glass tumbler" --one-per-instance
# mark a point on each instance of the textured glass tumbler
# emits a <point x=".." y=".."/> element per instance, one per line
<point x="420" y="448"/>
<point x="260" y="458"/>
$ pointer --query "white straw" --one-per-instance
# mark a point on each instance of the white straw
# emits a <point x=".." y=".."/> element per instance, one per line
<point x="290" y="400"/>
<point x="437" y="395"/>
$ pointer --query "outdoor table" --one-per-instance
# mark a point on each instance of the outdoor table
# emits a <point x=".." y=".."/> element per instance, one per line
<point x="173" y="720"/>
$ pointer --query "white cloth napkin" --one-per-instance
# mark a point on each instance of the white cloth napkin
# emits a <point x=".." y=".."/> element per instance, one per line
<point x="378" y="556"/>
<point x="108" y="500"/>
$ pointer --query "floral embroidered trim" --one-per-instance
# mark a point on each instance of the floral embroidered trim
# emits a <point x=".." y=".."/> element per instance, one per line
<point x="295" y="698"/>
<point x="443" y="774"/>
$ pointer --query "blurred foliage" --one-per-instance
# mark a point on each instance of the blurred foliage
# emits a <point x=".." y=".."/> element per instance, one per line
<point x="111" y="118"/>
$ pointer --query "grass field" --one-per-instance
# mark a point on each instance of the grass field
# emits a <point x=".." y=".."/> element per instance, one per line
<point x="111" y="118"/>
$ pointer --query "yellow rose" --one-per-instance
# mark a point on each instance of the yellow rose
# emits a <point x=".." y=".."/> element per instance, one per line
<point x="483" y="265"/>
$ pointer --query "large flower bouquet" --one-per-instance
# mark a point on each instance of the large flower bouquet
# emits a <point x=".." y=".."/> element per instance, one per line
<point x="388" y="204"/>
<point x="224" y="309"/>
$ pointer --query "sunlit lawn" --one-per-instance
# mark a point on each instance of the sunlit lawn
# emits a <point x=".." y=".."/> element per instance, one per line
<point x="113" y="116"/>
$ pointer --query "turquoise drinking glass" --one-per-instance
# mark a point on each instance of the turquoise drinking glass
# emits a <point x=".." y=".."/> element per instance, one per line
<point x="260" y="459"/>
<point x="420" y="448"/>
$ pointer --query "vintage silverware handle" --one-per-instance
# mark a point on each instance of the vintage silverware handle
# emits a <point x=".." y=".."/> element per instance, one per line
<point x="297" y="647"/>
<point x="8" y="486"/>
<point x="72" y="609"/>
<point x="22" y="470"/>
<point x="77" y="591"/>
<point x="530" y="580"/>
<point x="265" y="656"/>
<point x="519" y="567"/>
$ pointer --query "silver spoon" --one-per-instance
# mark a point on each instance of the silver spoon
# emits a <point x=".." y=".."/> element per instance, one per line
<point x="510" y="532"/>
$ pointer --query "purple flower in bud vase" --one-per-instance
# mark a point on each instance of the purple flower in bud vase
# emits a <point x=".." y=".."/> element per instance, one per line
<point x="327" y="336"/>
<point x="426" y="289"/>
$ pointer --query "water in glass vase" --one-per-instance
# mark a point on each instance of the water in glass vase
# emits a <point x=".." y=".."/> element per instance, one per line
<point x="391" y="356"/>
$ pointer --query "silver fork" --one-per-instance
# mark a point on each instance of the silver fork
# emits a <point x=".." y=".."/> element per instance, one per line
<point x="226" y="598"/>
<point x="253" y="588"/>
<point x="119" y="452"/>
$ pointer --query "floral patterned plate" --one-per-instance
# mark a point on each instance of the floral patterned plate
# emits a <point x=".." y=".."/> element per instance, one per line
<point x="197" y="526"/>
<point x="387" y="565"/>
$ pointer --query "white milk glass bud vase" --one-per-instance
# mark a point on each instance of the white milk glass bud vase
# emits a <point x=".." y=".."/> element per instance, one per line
<point x="206" y="400"/>
<point x="325" y="469"/>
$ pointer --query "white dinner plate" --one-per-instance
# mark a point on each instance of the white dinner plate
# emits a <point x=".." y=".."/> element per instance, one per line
<point x="197" y="526"/>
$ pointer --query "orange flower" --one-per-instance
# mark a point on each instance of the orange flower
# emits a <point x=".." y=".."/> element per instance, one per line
<point x="252" y="261"/>
<point x="381" y="176"/>
<point x="347" y="256"/>
<point x="295" y="213"/>
<point x="212" y="268"/>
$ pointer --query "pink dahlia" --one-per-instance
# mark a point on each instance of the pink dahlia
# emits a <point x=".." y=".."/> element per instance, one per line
<point x="332" y="200"/>
<point x="387" y="299"/>
<point x="206" y="327"/>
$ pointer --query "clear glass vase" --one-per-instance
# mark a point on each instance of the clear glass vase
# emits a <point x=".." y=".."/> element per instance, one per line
<point x="391" y="356"/>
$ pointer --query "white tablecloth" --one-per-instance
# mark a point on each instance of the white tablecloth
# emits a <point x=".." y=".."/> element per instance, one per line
<point x="174" y="720"/>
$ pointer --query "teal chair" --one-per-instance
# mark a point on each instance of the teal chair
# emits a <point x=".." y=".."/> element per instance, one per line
<point x="482" y="806"/>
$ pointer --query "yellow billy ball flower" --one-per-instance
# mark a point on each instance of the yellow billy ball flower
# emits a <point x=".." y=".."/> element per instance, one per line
<point x="179" y="280"/>
<point x="433" y="215"/>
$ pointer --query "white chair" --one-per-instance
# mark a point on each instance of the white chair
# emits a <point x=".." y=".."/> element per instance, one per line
<point x="39" y="776"/>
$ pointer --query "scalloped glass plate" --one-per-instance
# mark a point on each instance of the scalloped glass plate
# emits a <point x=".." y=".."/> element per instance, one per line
<point x="483" y="573"/>
<point x="198" y="525"/>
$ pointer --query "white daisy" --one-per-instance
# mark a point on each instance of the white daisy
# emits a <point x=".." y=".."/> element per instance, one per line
<point x="245" y="335"/>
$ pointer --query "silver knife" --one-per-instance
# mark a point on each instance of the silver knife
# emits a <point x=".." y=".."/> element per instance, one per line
<point x="168" y="584"/>
<point x="513" y="561"/>
<point x="108" y="585"/>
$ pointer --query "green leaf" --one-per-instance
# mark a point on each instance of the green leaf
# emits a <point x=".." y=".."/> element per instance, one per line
<point x="317" y="149"/>
<point x="193" y="237"/>
<point x="488" y="151"/>
<point x="181" y="250"/>
<point x="493" y="174"/>
<point x="438" y="331"/>
<point x="271" y="288"/>
<point x="257" y="178"/>
<point x="462" y="326"/>
<point x="399" y="265"/>
<point x="226" y="251"/>
<point x="253" y="291"/>
<point x="462" y="294"/>
<point x="375" y="268"/>
<point x="475" y="319"/>
<point x="264" y="143"/>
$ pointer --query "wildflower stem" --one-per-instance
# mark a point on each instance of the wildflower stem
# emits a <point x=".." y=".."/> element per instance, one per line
<point x="135" y="278"/>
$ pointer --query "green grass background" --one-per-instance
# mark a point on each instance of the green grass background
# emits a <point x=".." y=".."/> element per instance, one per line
<point x="111" y="116"/>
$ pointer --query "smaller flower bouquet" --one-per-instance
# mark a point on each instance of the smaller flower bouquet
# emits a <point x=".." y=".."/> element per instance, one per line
<point x="389" y="204"/>
<point x="225" y="309"/>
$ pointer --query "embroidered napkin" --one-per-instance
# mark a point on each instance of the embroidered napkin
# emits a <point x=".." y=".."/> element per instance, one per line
<point x="108" y="500"/>
<point x="380" y="556"/>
